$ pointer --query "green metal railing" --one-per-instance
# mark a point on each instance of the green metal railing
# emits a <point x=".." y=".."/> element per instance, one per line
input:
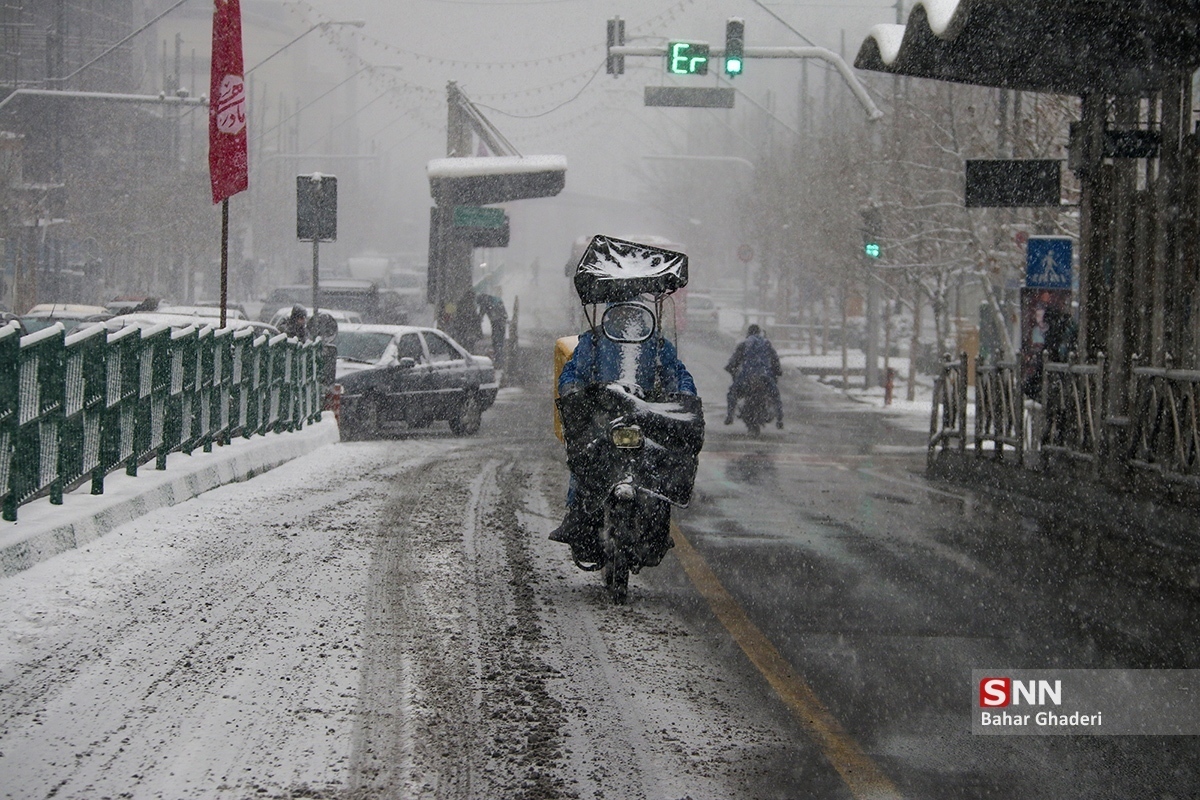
<point x="93" y="402"/>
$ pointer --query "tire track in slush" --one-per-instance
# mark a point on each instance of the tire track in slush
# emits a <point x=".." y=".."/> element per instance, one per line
<point x="453" y="641"/>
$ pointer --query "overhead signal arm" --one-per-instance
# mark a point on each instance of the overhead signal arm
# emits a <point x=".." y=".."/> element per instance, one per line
<point x="856" y="86"/>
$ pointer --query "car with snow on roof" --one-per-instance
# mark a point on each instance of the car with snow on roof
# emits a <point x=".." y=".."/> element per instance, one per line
<point x="393" y="374"/>
<point x="71" y="315"/>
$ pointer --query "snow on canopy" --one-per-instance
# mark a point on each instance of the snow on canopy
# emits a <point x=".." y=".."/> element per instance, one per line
<point x="494" y="165"/>
<point x="1040" y="45"/>
<point x="612" y="270"/>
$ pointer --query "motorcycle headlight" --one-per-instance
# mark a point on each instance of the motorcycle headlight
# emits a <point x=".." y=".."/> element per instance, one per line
<point x="627" y="437"/>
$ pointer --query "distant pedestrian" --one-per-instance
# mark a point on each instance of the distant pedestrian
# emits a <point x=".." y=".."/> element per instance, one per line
<point x="464" y="325"/>
<point x="296" y="325"/>
<point x="492" y="307"/>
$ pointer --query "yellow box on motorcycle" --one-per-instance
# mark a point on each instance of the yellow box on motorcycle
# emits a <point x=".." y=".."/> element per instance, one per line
<point x="564" y="348"/>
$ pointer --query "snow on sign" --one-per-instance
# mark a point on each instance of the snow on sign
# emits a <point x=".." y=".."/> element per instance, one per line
<point x="1048" y="262"/>
<point x="495" y="179"/>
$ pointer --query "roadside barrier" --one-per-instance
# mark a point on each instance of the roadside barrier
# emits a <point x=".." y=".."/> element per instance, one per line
<point x="999" y="409"/>
<point x="84" y="405"/>
<point x="1066" y="422"/>
<point x="1073" y="410"/>
<point x="1166" y="423"/>
<point x="948" y="419"/>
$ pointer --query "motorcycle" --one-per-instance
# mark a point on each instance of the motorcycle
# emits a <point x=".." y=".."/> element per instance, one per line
<point x="633" y="459"/>
<point x="633" y="456"/>
<point x="754" y="407"/>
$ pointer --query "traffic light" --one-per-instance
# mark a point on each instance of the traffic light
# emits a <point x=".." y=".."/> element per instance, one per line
<point x="735" y="43"/>
<point x="872" y="219"/>
<point x="616" y="38"/>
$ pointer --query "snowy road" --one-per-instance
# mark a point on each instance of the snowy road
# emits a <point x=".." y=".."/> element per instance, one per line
<point x="388" y="620"/>
<point x="383" y="619"/>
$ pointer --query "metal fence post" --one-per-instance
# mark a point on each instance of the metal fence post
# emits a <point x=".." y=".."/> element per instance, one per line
<point x="10" y="353"/>
<point x="962" y="403"/>
<point x="83" y="410"/>
<point x="40" y="395"/>
<point x="179" y="365"/>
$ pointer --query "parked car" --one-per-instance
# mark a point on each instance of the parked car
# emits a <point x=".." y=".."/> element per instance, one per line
<point x="344" y="293"/>
<point x="399" y="373"/>
<point x="397" y="307"/>
<point x="71" y="315"/>
<point x="129" y="304"/>
<point x="702" y="316"/>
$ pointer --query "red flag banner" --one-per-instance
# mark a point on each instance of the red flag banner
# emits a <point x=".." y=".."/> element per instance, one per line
<point x="227" y="165"/>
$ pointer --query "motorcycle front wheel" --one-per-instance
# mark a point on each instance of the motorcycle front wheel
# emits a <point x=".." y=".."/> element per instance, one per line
<point x="616" y="562"/>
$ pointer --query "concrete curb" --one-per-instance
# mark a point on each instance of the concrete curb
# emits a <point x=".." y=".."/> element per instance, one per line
<point x="43" y="531"/>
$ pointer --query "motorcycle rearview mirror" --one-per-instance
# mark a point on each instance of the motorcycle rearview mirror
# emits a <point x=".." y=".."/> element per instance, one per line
<point x="627" y="323"/>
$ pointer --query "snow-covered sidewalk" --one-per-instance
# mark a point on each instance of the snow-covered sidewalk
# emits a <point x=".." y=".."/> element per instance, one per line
<point x="43" y="530"/>
<point x="825" y="371"/>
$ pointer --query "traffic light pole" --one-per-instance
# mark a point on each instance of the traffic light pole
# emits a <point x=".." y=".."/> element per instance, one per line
<point x="830" y="57"/>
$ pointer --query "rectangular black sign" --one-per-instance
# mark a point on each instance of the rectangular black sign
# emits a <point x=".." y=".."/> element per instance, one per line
<point x="1013" y="183"/>
<point x="689" y="96"/>
<point x="1131" y="144"/>
<point x="316" y="208"/>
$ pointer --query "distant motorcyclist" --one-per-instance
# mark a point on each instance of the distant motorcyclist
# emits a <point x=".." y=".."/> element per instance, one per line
<point x="754" y="357"/>
<point x="651" y="367"/>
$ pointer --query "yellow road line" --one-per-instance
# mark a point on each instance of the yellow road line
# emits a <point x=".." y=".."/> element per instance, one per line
<point x="861" y="775"/>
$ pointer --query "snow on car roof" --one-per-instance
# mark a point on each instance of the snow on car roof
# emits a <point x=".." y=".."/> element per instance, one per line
<point x="64" y="310"/>
<point x="201" y="311"/>
<point x="374" y="327"/>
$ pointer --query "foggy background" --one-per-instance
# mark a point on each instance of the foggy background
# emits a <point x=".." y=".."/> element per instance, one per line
<point x="106" y="199"/>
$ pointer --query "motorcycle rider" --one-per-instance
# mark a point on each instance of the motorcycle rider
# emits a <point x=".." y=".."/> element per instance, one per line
<point x="651" y="366"/>
<point x="754" y="356"/>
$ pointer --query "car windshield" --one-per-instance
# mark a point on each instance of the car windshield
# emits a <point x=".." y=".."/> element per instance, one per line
<point x="362" y="345"/>
<point x="34" y="324"/>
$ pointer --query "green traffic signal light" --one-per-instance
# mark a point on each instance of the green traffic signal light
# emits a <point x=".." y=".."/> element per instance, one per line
<point x="735" y="42"/>
<point x="872" y="249"/>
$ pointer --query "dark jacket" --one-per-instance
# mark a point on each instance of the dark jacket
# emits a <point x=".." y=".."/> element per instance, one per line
<point x="754" y="355"/>
<point x="654" y="363"/>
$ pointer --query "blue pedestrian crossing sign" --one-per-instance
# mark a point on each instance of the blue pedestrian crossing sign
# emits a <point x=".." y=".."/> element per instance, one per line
<point x="1048" y="262"/>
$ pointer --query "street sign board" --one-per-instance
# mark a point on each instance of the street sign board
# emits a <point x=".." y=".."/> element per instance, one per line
<point x="483" y="237"/>
<point x="479" y="217"/>
<point x="1131" y="143"/>
<point x="689" y="96"/>
<point x="1048" y="262"/>
<point x="316" y="208"/>
<point x="745" y="253"/>
<point x="1013" y="183"/>
<point x="687" y="58"/>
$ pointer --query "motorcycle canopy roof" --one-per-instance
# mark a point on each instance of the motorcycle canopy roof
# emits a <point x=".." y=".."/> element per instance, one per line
<point x="614" y="270"/>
